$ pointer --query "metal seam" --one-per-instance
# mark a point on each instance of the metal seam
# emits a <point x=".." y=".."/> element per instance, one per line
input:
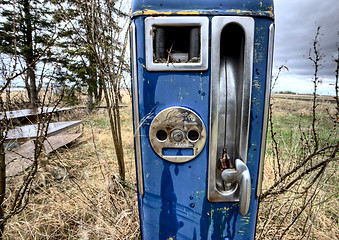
<point x="136" y="113"/>
<point x="266" y="106"/>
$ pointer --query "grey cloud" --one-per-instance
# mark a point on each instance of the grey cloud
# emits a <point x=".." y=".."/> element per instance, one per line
<point x="296" y="24"/>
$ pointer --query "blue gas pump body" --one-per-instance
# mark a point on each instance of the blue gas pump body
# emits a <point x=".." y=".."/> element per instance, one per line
<point x="172" y="196"/>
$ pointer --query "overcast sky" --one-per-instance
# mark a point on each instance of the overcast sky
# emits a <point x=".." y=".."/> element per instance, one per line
<point x="296" y="25"/>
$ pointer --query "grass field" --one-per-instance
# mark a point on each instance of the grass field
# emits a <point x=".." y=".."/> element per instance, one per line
<point x="293" y="132"/>
<point x="304" y="97"/>
<point x="77" y="194"/>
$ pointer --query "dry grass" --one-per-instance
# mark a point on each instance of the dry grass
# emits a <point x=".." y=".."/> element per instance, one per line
<point x="77" y="194"/>
<point x="319" y="219"/>
<point x="303" y="97"/>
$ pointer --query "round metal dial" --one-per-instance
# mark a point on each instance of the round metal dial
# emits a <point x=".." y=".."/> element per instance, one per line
<point x="177" y="128"/>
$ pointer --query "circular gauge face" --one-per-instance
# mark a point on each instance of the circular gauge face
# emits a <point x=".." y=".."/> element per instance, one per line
<point x="177" y="134"/>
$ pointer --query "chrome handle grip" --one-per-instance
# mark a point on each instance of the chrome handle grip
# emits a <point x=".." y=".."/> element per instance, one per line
<point x="245" y="189"/>
<point x="241" y="176"/>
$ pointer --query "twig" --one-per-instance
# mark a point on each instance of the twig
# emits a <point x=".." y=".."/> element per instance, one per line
<point x="305" y="172"/>
<point x="169" y="54"/>
<point x="302" y="209"/>
<point x="316" y="61"/>
<point x="335" y="150"/>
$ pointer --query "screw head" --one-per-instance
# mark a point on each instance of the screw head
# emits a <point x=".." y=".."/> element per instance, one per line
<point x="177" y="135"/>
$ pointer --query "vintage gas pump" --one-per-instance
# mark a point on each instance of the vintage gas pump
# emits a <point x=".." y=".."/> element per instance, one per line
<point x="201" y="73"/>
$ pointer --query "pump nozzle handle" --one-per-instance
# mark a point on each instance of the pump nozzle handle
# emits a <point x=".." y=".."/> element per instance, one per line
<point x="240" y="175"/>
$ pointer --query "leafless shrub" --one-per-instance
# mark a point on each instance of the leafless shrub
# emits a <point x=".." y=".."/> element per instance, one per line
<point x="16" y="190"/>
<point x="303" y="167"/>
<point x="78" y="194"/>
<point x="106" y="25"/>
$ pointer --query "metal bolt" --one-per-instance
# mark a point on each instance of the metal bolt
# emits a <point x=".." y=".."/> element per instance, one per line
<point x="177" y="135"/>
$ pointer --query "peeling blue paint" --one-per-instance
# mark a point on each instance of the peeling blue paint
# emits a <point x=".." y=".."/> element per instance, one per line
<point x="175" y="204"/>
<point x="263" y="8"/>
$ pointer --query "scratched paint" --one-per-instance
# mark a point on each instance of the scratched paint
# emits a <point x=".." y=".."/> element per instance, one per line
<point x="175" y="194"/>
<point x="153" y="12"/>
<point x="262" y="8"/>
<point x="148" y="12"/>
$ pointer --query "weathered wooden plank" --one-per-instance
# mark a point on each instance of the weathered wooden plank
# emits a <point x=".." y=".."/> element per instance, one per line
<point x="19" y="159"/>
<point x="22" y="157"/>
<point x="21" y="134"/>
<point x="31" y="112"/>
<point x="54" y="142"/>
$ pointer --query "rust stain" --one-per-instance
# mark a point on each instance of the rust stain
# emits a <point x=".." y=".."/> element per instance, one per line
<point x="246" y="12"/>
<point x="187" y="12"/>
<point x="271" y="9"/>
<point x="256" y="84"/>
<point x="268" y="13"/>
<point x="154" y="12"/>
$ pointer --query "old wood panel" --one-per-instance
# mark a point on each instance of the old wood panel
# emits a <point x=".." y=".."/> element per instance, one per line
<point x="21" y="134"/>
<point x="54" y="142"/>
<point x="19" y="159"/>
<point x="22" y="113"/>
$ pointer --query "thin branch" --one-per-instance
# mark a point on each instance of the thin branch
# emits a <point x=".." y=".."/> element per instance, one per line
<point x="294" y="170"/>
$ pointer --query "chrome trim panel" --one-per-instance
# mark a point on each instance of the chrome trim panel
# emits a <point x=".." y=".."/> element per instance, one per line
<point x="203" y="22"/>
<point x="266" y="107"/>
<point x="216" y="100"/>
<point x="136" y="110"/>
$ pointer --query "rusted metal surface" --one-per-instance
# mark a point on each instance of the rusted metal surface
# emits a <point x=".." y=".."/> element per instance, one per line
<point x="149" y="12"/>
<point x="21" y="134"/>
<point x="22" y="113"/>
<point x="263" y="8"/>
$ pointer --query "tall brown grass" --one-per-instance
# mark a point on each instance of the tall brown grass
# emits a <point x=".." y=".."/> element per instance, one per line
<point x="286" y="216"/>
<point x="77" y="194"/>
